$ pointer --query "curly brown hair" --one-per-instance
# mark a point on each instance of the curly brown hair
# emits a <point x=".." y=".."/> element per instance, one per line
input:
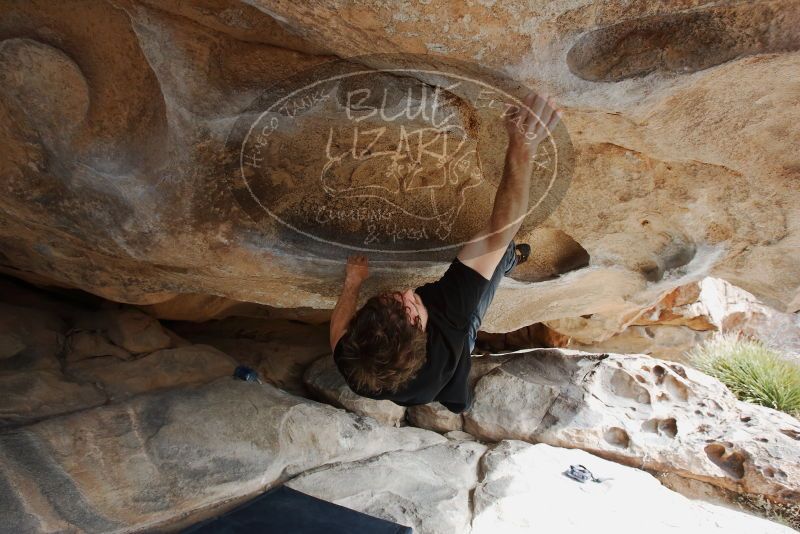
<point x="381" y="349"/>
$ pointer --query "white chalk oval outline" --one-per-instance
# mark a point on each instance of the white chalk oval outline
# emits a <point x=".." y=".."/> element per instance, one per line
<point x="373" y="250"/>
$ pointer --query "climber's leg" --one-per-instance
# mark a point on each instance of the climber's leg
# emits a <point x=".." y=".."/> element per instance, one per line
<point x="507" y="263"/>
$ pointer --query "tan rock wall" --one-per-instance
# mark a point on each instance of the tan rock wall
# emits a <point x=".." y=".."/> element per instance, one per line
<point x="114" y="117"/>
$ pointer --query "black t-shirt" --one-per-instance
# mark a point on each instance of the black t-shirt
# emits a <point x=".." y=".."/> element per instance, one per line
<point x="450" y="302"/>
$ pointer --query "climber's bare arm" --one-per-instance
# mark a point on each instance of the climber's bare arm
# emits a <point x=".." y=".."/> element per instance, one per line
<point x="525" y="132"/>
<point x="356" y="272"/>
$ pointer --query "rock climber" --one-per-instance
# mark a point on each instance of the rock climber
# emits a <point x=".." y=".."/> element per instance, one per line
<point x="414" y="346"/>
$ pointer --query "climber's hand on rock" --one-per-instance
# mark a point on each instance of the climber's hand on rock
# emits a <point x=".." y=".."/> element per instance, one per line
<point x="529" y="124"/>
<point x="357" y="269"/>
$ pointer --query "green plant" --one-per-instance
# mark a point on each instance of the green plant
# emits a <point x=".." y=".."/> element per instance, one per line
<point x="752" y="371"/>
<point x="783" y="513"/>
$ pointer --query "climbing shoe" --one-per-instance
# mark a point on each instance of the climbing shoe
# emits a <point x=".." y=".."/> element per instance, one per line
<point x="523" y="252"/>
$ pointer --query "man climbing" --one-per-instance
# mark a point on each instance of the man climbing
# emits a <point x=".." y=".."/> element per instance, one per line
<point x="413" y="347"/>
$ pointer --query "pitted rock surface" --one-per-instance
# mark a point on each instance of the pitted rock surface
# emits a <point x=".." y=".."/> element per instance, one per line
<point x="642" y="412"/>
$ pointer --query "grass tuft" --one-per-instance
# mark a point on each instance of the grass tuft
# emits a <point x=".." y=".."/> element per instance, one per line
<point x="752" y="371"/>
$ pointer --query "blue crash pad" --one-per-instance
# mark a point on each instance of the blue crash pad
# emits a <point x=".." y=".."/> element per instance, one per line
<point x="283" y="510"/>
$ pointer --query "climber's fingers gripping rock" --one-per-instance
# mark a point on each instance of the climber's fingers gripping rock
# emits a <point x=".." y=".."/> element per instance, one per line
<point x="357" y="269"/>
<point x="531" y="123"/>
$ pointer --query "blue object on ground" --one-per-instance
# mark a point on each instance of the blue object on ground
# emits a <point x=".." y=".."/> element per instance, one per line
<point x="285" y="511"/>
<point x="245" y="373"/>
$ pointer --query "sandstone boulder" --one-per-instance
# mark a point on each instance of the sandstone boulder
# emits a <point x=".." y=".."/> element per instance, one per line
<point x="427" y="489"/>
<point x="84" y="344"/>
<point x="163" y="369"/>
<point x="280" y="351"/>
<point x="462" y="486"/>
<point x="135" y="465"/>
<point x="281" y="363"/>
<point x="115" y="145"/>
<point x="642" y="412"/>
<point x="434" y="417"/>
<point x="668" y="342"/>
<point x="680" y="319"/>
<point x="458" y="435"/>
<point x="325" y="381"/>
<point x="10" y="345"/>
<point x="32" y="395"/>
<point x="29" y="338"/>
<point x="136" y="332"/>
<point x="531" y="336"/>
<point x="524" y="489"/>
